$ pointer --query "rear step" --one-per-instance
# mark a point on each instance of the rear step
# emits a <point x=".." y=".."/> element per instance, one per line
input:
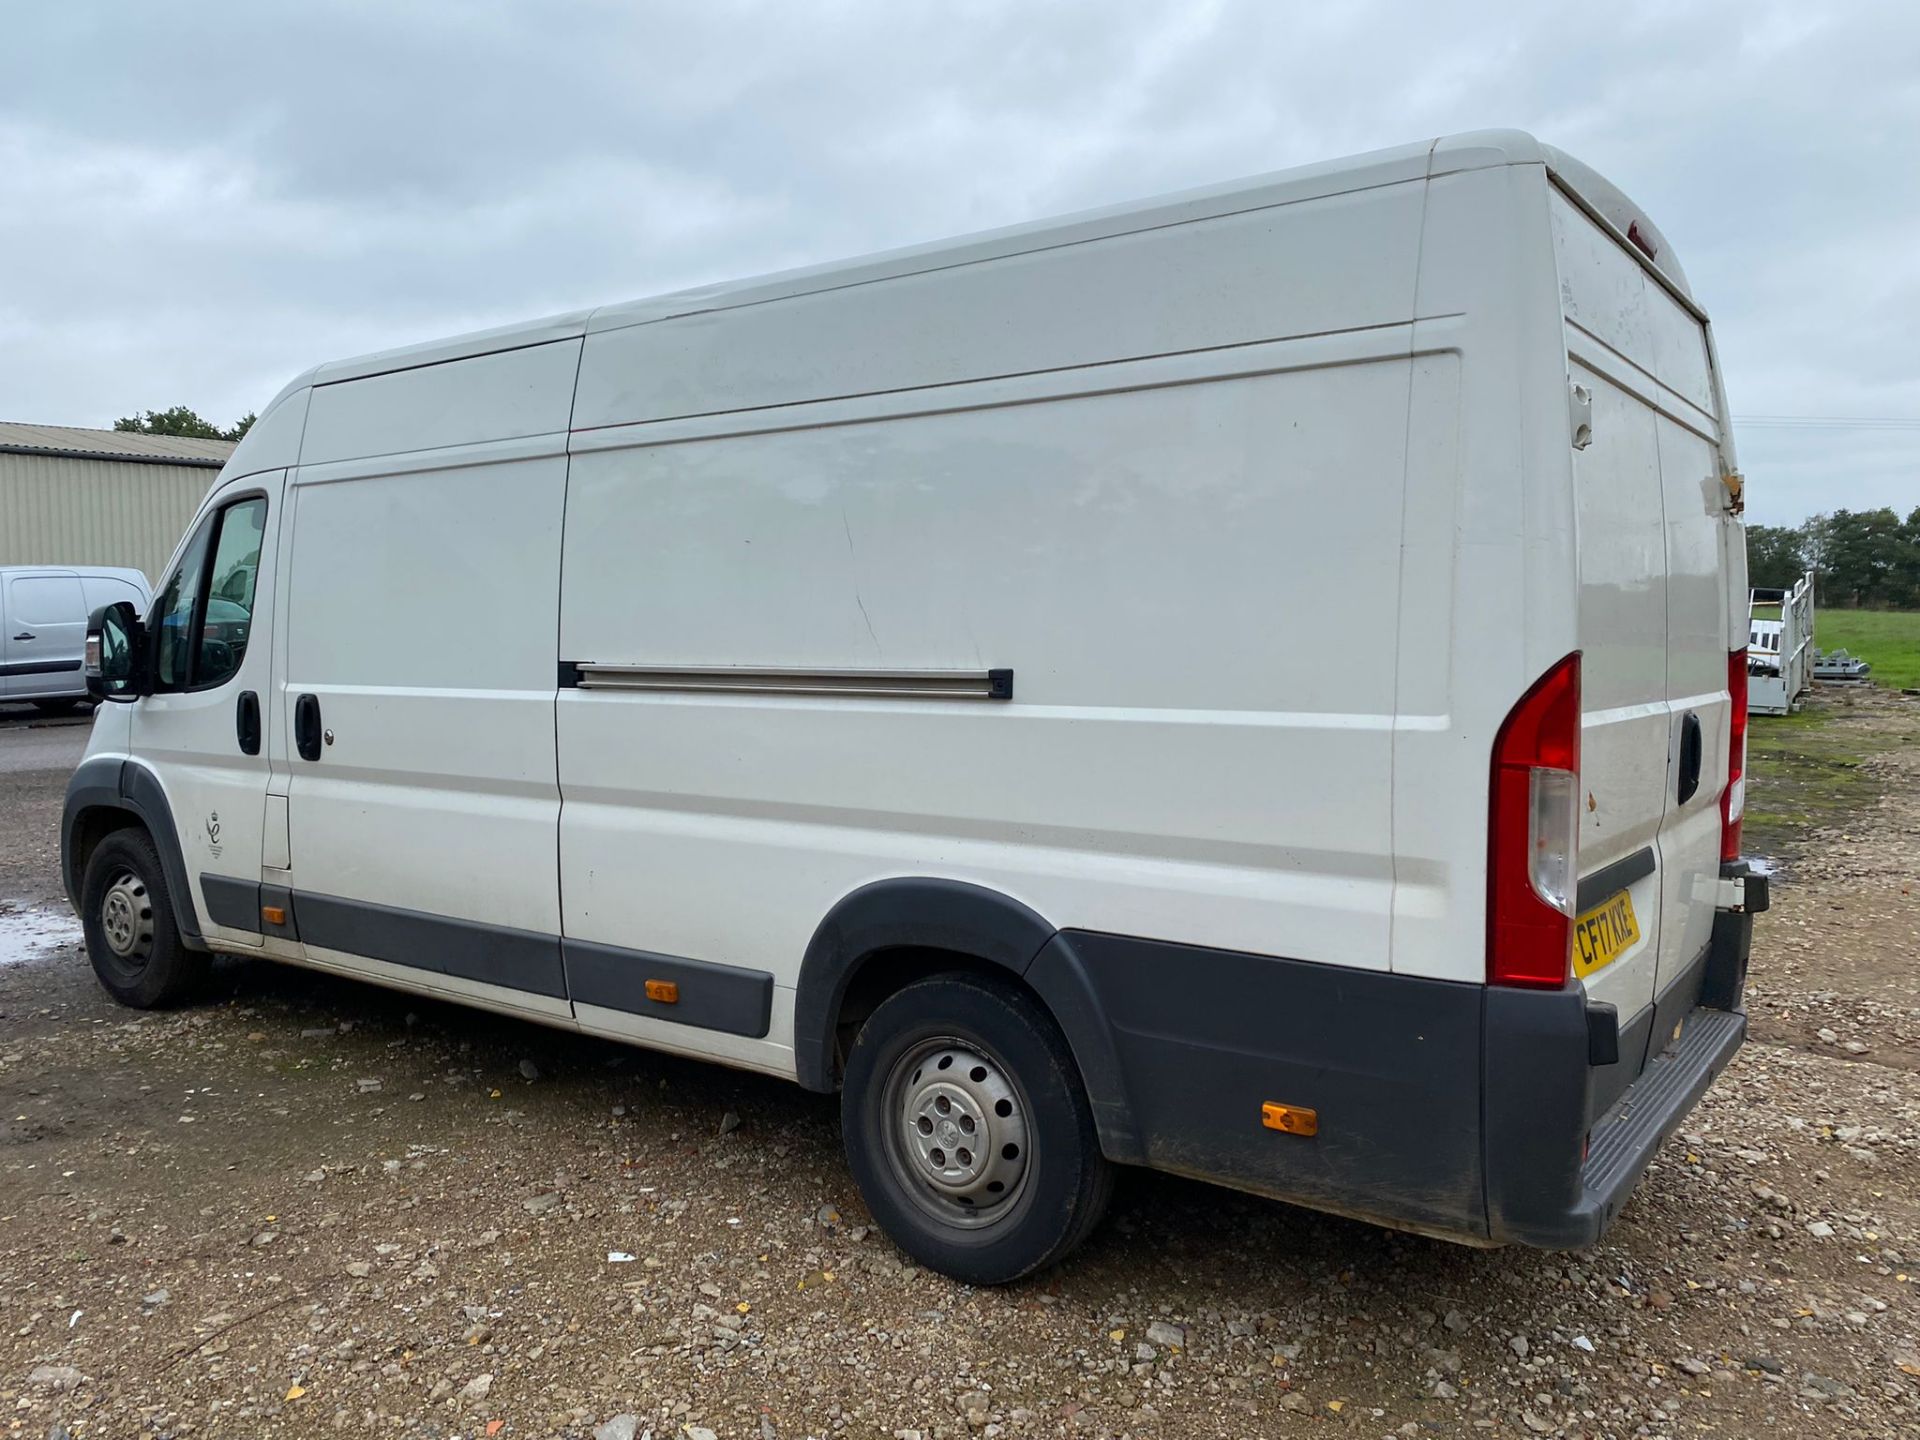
<point x="1623" y="1141"/>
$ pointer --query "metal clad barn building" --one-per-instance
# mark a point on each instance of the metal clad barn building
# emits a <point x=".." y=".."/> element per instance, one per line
<point x="99" y="497"/>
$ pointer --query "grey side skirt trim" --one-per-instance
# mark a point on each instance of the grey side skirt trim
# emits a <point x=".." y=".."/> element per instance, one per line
<point x="232" y="903"/>
<point x="491" y="954"/>
<point x="711" y="997"/>
<point x="237" y="905"/>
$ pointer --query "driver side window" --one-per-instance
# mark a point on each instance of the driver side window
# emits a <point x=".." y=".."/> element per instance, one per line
<point x="204" y="616"/>
<point x="173" y="614"/>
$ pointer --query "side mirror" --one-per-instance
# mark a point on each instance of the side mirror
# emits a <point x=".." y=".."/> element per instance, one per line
<point x="116" y="653"/>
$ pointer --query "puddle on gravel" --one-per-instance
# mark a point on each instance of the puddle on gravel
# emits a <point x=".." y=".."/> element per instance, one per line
<point x="31" y="932"/>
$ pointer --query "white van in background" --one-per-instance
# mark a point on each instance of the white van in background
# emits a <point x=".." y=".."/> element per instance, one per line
<point x="43" y="627"/>
<point x="888" y="676"/>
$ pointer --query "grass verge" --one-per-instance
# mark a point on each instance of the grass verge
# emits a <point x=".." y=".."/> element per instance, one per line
<point x="1888" y="639"/>
<point x="1807" y="770"/>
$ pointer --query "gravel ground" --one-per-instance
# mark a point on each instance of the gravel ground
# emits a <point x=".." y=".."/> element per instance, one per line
<point x="312" y="1207"/>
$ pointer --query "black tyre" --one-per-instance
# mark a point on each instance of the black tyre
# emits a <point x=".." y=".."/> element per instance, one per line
<point x="128" y="918"/>
<point x="57" y="707"/>
<point x="968" y="1131"/>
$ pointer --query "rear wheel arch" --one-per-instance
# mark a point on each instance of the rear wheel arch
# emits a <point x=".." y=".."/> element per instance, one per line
<point x="900" y="921"/>
<point x="886" y="935"/>
<point x="968" y="1131"/>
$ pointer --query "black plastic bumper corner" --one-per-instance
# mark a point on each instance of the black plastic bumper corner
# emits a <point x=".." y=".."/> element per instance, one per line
<point x="1542" y="1190"/>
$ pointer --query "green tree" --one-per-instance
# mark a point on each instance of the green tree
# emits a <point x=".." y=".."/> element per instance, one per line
<point x="1776" y="556"/>
<point x="181" y="420"/>
<point x="1906" y="570"/>
<point x="1864" y="557"/>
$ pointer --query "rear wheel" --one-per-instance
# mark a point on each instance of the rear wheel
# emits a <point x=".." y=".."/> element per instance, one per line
<point x="968" y="1131"/>
<point x="128" y="918"/>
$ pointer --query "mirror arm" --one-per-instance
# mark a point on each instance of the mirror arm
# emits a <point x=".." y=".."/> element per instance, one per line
<point x="140" y="668"/>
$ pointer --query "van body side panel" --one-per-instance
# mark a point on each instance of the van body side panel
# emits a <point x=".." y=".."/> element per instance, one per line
<point x="1138" y="560"/>
<point x="1319" y="266"/>
<point x="507" y="396"/>
<point x="1488" y="597"/>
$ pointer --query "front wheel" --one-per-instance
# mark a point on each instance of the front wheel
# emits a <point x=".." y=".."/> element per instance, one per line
<point x="127" y="915"/>
<point x="968" y="1130"/>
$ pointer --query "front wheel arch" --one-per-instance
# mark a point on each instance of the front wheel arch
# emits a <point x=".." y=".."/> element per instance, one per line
<point x="107" y="794"/>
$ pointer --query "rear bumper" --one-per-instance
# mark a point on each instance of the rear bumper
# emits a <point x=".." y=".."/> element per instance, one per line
<point x="1452" y="1109"/>
<point x="1540" y="1090"/>
<point x="1567" y="1204"/>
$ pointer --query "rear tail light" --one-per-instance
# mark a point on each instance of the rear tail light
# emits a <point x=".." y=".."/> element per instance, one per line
<point x="1533" y="842"/>
<point x="1733" y="803"/>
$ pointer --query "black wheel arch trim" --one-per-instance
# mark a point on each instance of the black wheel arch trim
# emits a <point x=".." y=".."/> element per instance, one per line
<point x="94" y="785"/>
<point x="930" y="913"/>
<point x="108" y="782"/>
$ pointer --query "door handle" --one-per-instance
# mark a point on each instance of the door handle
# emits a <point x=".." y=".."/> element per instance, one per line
<point x="246" y="722"/>
<point x="24" y="635"/>
<point x="306" y="726"/>
<point x="1690" y="750"/>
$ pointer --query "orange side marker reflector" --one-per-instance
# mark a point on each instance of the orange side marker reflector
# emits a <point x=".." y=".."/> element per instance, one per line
<point x="666" y="992"/>
<point x="1293" y="1119"/>
<point x="273" y="914"/>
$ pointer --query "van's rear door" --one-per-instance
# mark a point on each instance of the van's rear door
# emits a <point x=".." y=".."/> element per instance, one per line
<point x="1653" y="626"/>
<point x="1701" y="533"/>
<point x="1623" y="684"/>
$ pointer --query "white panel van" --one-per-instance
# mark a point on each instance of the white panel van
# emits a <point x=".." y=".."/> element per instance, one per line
<point x="1249" y="683"/>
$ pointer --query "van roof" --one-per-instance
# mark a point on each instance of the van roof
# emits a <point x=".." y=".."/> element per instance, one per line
<point x="1474" y="150"/>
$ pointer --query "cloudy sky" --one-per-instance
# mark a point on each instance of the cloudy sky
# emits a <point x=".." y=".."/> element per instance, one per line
<point x="203" y="200"/>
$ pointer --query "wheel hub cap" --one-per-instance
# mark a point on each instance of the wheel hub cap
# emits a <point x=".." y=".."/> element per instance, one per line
<point x="962" y="1128"/>
<point x="126" y="918"/>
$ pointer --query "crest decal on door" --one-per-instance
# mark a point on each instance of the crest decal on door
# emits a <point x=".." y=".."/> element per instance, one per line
<point x="213" y="833"/>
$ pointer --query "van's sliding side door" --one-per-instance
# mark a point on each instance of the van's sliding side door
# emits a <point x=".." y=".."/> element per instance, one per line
<point x="417" y="698"/>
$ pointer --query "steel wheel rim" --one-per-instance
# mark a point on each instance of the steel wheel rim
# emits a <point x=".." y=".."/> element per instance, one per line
<point x="959" y="1137"/>
<point x="126" y="919"/>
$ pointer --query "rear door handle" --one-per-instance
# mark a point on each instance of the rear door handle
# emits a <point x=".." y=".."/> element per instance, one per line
<point x="306" y="726"/>
<point x="246" y="722"/>
<point x="24" y="635"/>
<point x="1690" y="748"/>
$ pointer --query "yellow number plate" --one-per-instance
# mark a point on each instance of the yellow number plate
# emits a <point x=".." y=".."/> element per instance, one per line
<point x="1604" y="934"/>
